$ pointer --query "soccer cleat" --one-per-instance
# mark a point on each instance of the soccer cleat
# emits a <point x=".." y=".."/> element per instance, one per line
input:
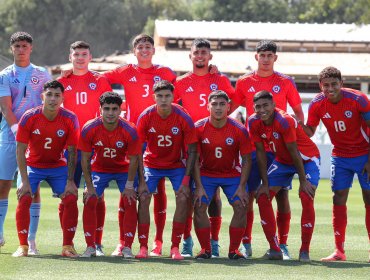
<point x="99" y="251"/>
<point x="187" y="247"/>
<point x="118" y="251"/>
<point x="236" y="255"/>
<point x="246" y="249"/>
<point x="69" y="251"/>
<point x="285" y="251"/>
<point x="22" y="251"/>
<point x="143" y="253"/>
<point x="32" y="250"/>
<point x="304" y="256"/>
<point x="157" y="249"/>
<point x="203" y="254"/>
<point x="175" y="254"/>
<point x="127" y="253"/>
<point x="273" y="255"/>
<point x="89" y="252"/>
<point x="335" y="257"/>
<point x="215" y="248"/>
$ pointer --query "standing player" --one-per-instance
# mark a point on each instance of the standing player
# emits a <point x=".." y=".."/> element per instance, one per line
<point x="82" y="91"/>
<point x="294" y="153"/>
<point x="166" y="128"/>
<point x="116" y="149"/>
<point x="221" y="140"/>
<point x="20" y="88"/>
<point x="284" y="91"/>
<point x="43" y="134"/>
<point x="192" y="90"/>
<point x="346" y="115"/>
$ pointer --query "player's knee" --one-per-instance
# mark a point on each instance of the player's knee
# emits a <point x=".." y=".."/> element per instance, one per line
<point x="25" y="201"/>
<point x="69" y="199"/>
<point x="200" y="210"/>
<point x="239" y="208"/>
<point x="181" y="199"/>
<point x="340" y="197"/>
<point x="91" y="202"/>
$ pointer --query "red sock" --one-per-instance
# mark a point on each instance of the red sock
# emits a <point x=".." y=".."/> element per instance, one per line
<point x="160" y="208"/>
<point x="367" y="220"/>
<point x="22" y="217"/>
<point x="188" y="224"/>
<point x="268" y="221"/>
<point x="89" y="220"/>
<point x="203" y="235"/>
<point x="70" y="218"/>
<point x="100" y="220"/>
<point x="177" y="232"/>
<point x="143" y="234"/>
<point x="339" y="225"/>
<point x="283" y="225"/>
<point x="236" y="235"/>
<point x="247" y="236"/>
<point x="129" y="222"/>
<point x="307" y="221"/>
<point x="60" y="212"/>
<point x="215" y="227"/>
<point x="121" y="217"/>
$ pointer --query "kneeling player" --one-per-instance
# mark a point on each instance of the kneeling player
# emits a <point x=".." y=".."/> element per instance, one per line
<point x="166" y="128"/>
<point x="115" y="144"/>
<point x="220" y="140"/>
<point x="295" y="153"/>
<point x="43" y="134"/>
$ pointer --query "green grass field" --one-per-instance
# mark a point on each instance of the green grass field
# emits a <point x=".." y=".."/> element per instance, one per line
<point x="49" y="265"/>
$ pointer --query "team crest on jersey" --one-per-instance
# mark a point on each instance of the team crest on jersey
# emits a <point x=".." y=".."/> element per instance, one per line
<point x="92" y="86"/>
<point x="35" y="80"/>
<point x="119" y="144"/>
<point x="276" y="135"/>
<point x="157" y="78"/>
<point x="175" y="130"/>
<point x="348" y="114"/>
<point x="213" y="87"/>
<point x="229" y="141"/>
<point x="276" y="89"/>
<point x="60" y="132"/>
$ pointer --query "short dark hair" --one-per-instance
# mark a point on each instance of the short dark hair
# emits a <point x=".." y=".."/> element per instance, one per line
<point x="263" y="94"/>
<point x="142" y="38"/>
<point x="163" y="85"/>
<point x="110" y="97"/>
<point x="266" y="45"/>
<point x="53" y="84"/>
<point x="79" y="45"/>
<point x="20" y="36"/>
<point x="218" y="94"/>
<point x="330" y="72"/>
<point x="201" y="43"/>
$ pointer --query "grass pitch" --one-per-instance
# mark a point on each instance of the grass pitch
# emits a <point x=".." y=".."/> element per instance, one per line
<point x="50" y="265"/>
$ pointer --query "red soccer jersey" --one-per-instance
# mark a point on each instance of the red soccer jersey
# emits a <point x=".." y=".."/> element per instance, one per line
<point x="138" y="85"/>
<point x="193" y="91"/>
<point x="281" y="86"/>
<point x="47" y="139"/>
<point x="111" y="148"/>
<point x="165" y="137"/>
<point x="283" y="130"/>
<point x="220" y="147"/>
<point x="344" y="121"/>
<point x="81" y="94"/>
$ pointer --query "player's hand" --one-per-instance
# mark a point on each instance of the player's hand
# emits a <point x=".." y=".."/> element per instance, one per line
<point x="185" y="190"/>
<point x="88" y="192"/>
<point x="66" y="73"/>
<point x="242" y="194"/>
<point x="23" y="189"/>
<point x="308" y="188"/>
<point x="198" y="195"/>
<point x="70" y="189"/>
<point x="143" y="190"/>
<point x="130" y="194"/>
<point x="367" y="170"/>
<point x="213" y="69"/>
<point x="262" y="189"/>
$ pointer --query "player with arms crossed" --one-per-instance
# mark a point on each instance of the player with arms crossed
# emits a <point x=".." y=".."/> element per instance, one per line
<point x="166" y="128"/>
<point x="294" y="153"/>
<point x="346" y="115"/>
<point x="116" y="148"/>
<point x="220" y="142"/>
<point x="20" y="89"/>
<point x="284" y="91"/>
<point x="43" y="134"/>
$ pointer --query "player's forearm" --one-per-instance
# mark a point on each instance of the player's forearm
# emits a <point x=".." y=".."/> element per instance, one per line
<point x="132" y="168"/>
<point x="6" y="110"/>
<point x="72" y="158"/>
<point x="21" y="161"/>
<point x="140" y="169"/>
<point x="262" y="164"/>
<point x="309" y="130"/>
<point x="86" y="169"/>
<point x="192" y="153"/>
<point x="297" y="161"/>
<point x="196" y="172"/>
<point x="246" y="169"/>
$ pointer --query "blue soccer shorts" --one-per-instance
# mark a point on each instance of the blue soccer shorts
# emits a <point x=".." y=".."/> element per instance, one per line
<point x="101" y="181"/>
<point x="8" y="161"/>
<point x="228" y="185"/>
<point x="343" y="170"/>
<point x="254" y="179"/>
<point x="153" y="175"/>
